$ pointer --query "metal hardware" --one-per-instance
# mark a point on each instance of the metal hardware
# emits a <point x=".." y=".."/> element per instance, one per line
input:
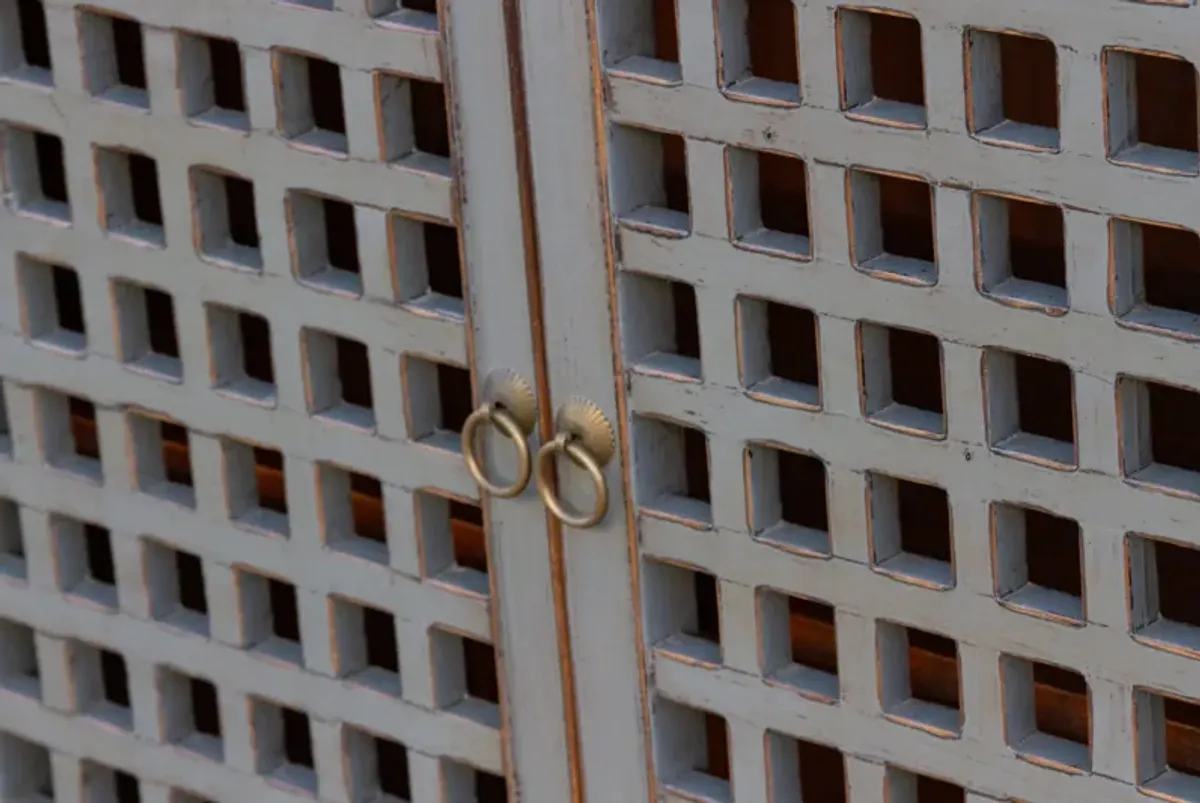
<point x="586" y="438"/>
<point x="511" y="407"/>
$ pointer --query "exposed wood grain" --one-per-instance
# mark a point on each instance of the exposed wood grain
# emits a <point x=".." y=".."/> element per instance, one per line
<point x="896" y="69"/>
<point x="1029" y="85"/>
<point x="771" y="29"/>
<point x="666" y="31"/>
<point x="1166" y="102"/>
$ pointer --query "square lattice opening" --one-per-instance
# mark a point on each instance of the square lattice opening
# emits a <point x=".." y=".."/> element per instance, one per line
<point x="1046" y="713"/>
<point x="799" y="644"/>
<point x="661" y="330"/>
<point x="779" y="352"/>
<point x="270" y="616"/>
<point x="1021" y="253"/>
<point x="438" y="399"/>
<point x="192" y="713"/>
<point x="682" y="611"/>
<point x="641" y="38"/>
<point x="1168" y="747"/>
<point x="672" y="477"/>
<point x="1159" y="444"/>
<point x="453" y="541"/>
<point x="101" y="684"/>
<point x="1030" y="408"/>
<point x="901" y="375"/>
<point x="1165" y="610"/>
<point x="19" y="671"/>
<point x="365" y="643"/>
<point x="414" y="128"/>
<point x="892" y="226"/>
<point x="426" y="265"/>
<point x="256" y="486"/>
<point x="1013" y="89"/>
<point x="283" y="747"/>
<point x="920" y="683"/>
<point x="768" y="202"/>
<point x="353" y="512"/>
<point x="147" y="334"/>
<point x="162" y="459"/>
<point x="1155" y="274"/>
<point x="881" y="73"/>
<point x="240" y="344"/>
<point x="211" y="81"/>
<point x="224" y="217"/>
<point x="131" y="206"/>
<point x="338" y="374"/>
<point x="691" y="749"/>
<point x="27" y="773"/>
<point x="35" y="173"/>
<point x="175" y="581"/>
<point x="18" y="659"/>
<point x="650" y="181"/>
<point x="1152" y="110"/>
<point x="114" y="58"/>
<point x="1038" y="562"/>
<point x="52" y="308"/>
<point x="25" y="42"/>
<point x="83" y="561"/>
<point x="910" y="529"/>
<point x="324" y="240"/>
<point x="68" y="436"/>
<point x="759" y="58"/>
<point x="465" y="679"/>
<point x="12" y="541"/>
<point x="311" y="112"/>
<point x="378" y="768"/>
<point x="789" y="500"/>
<point x="804" y="770"/>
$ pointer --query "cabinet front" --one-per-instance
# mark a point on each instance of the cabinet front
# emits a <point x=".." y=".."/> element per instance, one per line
<point x="875" y="299"/>
<point x="263" y="262"/>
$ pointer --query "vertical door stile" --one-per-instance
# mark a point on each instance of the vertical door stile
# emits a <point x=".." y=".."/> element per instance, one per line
<point x="503" y="336"/>
<point x="566" y="143"/>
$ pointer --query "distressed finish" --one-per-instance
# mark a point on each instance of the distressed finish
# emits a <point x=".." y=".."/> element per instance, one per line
<point x="892" y="306"/>
<point x="911" y="387"/>
<point x="301" y="545"/>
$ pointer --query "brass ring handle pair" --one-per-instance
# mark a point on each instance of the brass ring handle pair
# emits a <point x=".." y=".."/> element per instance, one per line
<point x="584" y="437"/>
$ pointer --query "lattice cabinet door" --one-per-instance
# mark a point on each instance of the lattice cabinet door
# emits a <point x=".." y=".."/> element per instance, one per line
<point x="895" y="309"/>
<point x="259" y="260"/>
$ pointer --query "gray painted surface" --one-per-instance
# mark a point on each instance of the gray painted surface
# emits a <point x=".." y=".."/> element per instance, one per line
<point x="844" y="424"/>
<point x="607" y="246"/>
<point x="58" y="726"/>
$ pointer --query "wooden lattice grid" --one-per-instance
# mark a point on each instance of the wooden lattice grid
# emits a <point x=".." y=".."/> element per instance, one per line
<point x="908" y="391"/>
<point x="233" y="339"/>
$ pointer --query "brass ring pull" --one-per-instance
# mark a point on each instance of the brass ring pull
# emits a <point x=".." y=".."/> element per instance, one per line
<point x="565" y="444"/>
<point x="512" y="409"/>
<point x="497" y="416"/>
<point x="586" y="438"/>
